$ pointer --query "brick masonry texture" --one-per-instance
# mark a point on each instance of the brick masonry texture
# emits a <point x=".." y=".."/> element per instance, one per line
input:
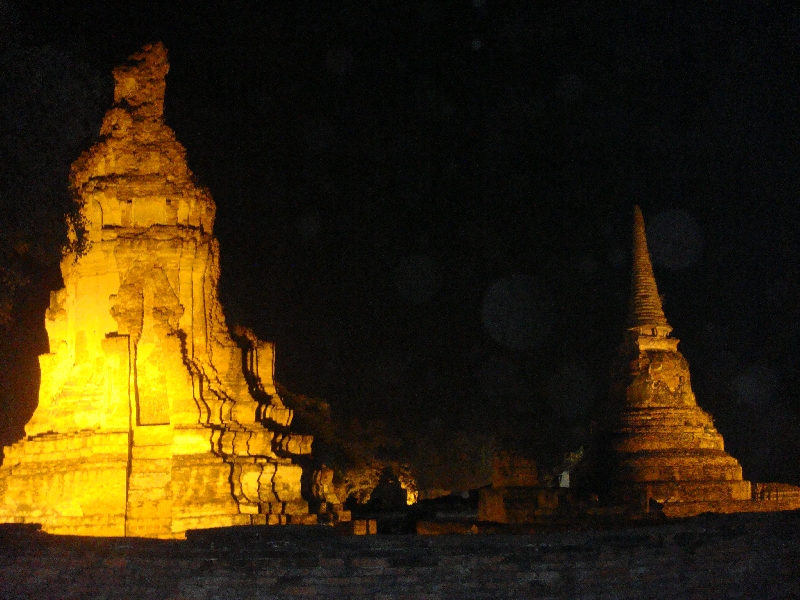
<point x="150" y="420"/>
<point x="719" y="556"/>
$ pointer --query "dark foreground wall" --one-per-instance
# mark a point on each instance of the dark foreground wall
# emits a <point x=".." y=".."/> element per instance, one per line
<point x="734" y="556"/>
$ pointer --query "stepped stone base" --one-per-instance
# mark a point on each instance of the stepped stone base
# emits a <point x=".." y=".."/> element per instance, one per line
<point x="765" y="497"/>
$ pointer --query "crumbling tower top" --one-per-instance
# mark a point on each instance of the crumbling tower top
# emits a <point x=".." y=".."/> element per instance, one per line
<point x="140" y="82"/>
<point x="136" y="176"/>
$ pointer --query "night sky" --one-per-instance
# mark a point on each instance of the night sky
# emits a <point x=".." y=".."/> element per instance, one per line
<point x="428" y="205"/>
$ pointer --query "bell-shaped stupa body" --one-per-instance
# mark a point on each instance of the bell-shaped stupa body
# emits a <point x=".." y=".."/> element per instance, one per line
<point x="662" y="445"/>
<point x="150" y="421"/>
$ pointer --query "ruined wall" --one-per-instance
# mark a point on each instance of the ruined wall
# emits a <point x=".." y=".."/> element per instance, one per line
<point x="721" y="556"/>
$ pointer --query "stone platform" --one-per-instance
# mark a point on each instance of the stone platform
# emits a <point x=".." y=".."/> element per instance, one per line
<point x="712" y="556"/>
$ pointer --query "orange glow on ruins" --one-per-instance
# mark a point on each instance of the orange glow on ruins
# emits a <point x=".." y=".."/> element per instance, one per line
<point x="152" y="420"/>
<point x="146" y="423"/>
<point x="661" y="446"/>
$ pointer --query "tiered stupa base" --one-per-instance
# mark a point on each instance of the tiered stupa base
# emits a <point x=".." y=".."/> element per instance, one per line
<point x="674" y="455"/>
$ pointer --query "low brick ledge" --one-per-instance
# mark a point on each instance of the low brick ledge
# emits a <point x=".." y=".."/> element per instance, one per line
<point x="752" y="555"/>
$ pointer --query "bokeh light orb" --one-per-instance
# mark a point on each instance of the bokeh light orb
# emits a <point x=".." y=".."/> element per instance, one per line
<point x="570" y="393"/>
<point x="514" y="313"/>
<point x="675" y="239"/>
<point x="756" y="386"/>
<point x="502" y="381"/>
<point x="418" y="278"/>
<point x="309" y="224"/>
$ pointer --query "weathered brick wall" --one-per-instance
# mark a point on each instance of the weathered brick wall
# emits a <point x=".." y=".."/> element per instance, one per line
<point x="733" y="556"/>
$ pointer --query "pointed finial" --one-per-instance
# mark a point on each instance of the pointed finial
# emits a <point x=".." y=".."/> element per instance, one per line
<point x="646" y="316"/>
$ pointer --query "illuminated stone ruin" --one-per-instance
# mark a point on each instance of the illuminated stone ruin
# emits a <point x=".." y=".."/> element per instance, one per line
<point x="150" y="420"/>
<point x="661" y="446"/>
<point x="515" y="495"/>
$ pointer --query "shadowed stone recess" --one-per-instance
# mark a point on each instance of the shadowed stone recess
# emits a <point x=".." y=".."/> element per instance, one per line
<point x="150" y="421"/>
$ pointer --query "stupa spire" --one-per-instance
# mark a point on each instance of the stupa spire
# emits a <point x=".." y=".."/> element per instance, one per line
<point x="646" y="315"/>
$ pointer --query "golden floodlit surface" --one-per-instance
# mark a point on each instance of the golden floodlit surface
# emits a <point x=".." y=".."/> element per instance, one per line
<point x="662" y="445"/>
<point x="153" y="420"/>
<point x="150" y="421"/>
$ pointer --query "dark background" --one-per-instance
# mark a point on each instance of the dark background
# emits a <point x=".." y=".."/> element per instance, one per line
<point x="427" y="205"/>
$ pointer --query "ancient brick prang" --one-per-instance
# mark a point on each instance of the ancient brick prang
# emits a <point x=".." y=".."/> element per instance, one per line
<point x="150" y="420"/>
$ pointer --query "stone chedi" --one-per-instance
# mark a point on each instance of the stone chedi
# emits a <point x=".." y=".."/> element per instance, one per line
<point x="660" y="445"/>
<point x="150" y="421"/>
